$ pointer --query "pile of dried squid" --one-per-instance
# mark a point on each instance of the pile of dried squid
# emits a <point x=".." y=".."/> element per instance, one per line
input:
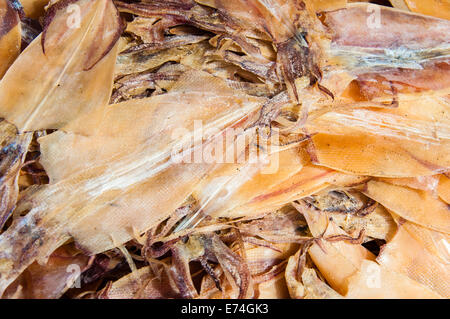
<point x="348" y="101"/>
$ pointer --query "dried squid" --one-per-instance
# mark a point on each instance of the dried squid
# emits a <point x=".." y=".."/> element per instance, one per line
<point x="224" y="149"/>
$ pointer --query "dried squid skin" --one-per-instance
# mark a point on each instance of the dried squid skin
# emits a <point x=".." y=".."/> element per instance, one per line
<point x="140" y="60"/>
<point x="316" y="288"/>
<point x="171" y="278"/>
<point x="359" y="275"/>
<point x="420" y="254"/>
<point x="235" y="268"/>
<point x="34" y="8"/>
<point x="266" y="259"/>
<point x="303" y="282"/>
<point x="74" y="69"/>
<point x="411" y="140"/>
<point x="87" y="201"/>
<point x="444" y="189"/>
<point x="132" y="175"/>
<point x="12" y="155"/>
<point x="51" y="280"/>
<point x="144" y="284"/>
<point x="240" y="187"/>
<point x="326" y="254"/>
<point x="436" y="8"/>
<point x="418" y="206"/>
<point x="328" y="5"/>
<point x="293" y="282"/>
<point x="10" y="35"/>
<point x="401" y="53"/>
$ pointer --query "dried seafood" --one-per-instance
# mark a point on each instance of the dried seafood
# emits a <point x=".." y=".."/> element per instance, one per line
<point x="224" y="149"/>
